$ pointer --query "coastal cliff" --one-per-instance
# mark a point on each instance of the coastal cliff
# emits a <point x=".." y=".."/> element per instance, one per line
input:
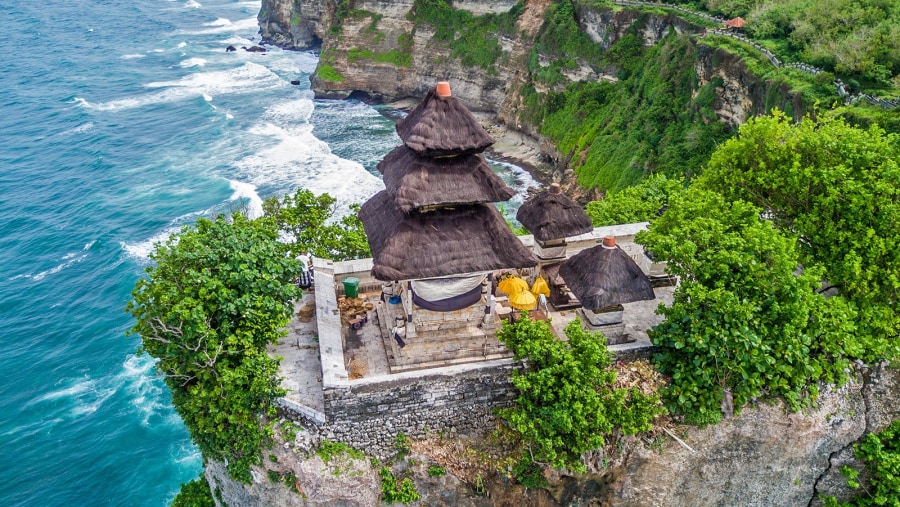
<point x="508" y="61"/>
<point x="764" y="457"/>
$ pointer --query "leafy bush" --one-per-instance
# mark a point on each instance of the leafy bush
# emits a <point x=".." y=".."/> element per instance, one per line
<point x="308" y="220"/>
<point x="219" y="294"/>
<point x="567" y="401"/>
<point x="742" y="321"/>
<point x="328" y="73"/>
<point x="880" y="453"/>
<point x="393" y="491"/>
<point x="838" y="188"/>
<point x="436" y="471"/>
<point x="194" y="494"/>
<point x="640" y="203"/>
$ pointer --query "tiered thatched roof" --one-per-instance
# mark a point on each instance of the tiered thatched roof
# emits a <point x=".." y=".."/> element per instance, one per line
<point x="551" y="214"/>
<point x="443" y="242"/>
<point x="416" y="181"/>
<point x="442" y="125"/>
<point x="604" y="276"/>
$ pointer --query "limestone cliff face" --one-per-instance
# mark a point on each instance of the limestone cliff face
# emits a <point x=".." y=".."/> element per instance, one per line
<point x="295" y="25"/>
<point x="382" y="26"/>
<point x="765" y="457"/>
<point x="742" y="94"/>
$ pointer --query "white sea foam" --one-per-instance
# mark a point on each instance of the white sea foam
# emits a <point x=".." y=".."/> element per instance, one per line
<point x="207" y="97"/>
<point x="141" y="251"/>
<point x="191" y="4"/>
<point x="132" y="56"/>
<point x="223" y="25"/>
<point x="193" y="62"/>
<point x="253" y="205"/>
<point x="143" y="388"/>
<point x="81" y="129"/>
<point x="181" y="44"/>
<point x="77" y="397"/>
<point x="68" y="260"/>
<point x="249" y="77"/>
<point x="299" y="159"/>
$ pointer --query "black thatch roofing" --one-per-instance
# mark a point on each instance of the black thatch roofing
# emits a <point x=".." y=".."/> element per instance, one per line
<point x="601" y="277"/>
<point x="442" y="126"/>
<point x="551" y="214"/>
<point x="465" y="239"/>
<point x="415" y="181"/>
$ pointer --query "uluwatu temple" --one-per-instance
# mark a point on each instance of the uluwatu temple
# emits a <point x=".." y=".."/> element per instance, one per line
<point x="409" y="336"/>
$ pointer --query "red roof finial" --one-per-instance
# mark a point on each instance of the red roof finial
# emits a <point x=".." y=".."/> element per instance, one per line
<point x="609" y="242"/>
<point x="443" y="88"/>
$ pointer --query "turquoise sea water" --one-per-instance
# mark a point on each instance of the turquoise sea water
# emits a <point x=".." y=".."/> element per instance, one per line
<point x="119" y="122"/>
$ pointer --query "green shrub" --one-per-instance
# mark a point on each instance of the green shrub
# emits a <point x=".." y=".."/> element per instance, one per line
<point x="640" y="203"/>
<point x="328" y="73"/>
<point x="195" y="493"/>
<point x="393" y="491"/>
<point x="567" y="400"/>
<point x="742" y="321"/>
<point x="880" y="454"/>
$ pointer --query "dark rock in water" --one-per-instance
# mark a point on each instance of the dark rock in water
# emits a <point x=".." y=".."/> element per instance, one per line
<point x="229" y="49"/>
<point x="254" y="49"/>
<point x="295" y="82"/>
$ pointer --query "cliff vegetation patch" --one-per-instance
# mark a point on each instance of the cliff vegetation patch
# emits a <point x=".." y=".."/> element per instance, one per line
<point x="472" y="39"/>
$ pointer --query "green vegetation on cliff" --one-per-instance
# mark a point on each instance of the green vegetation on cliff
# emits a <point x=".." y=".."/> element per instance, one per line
<point x="742" y="324"/>
<point x="880" y="485"/>
<point x="219" y="293"/>
<point x="856" y="39"/>
<point x="836" y="187"/>
<point x="648" y="122"/>
<point x="568" y="402"/>
<point x="472" y="39"/>
<point x="746" y="322"/>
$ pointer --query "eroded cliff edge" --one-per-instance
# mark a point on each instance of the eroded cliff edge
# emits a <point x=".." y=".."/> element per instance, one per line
<point x="764" y="457"/>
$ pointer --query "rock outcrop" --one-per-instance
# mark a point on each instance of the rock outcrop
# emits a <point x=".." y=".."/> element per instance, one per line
<point x="764" y="457"/>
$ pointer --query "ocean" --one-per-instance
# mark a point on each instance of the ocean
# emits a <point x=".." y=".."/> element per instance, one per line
<point x="121" y="121"/>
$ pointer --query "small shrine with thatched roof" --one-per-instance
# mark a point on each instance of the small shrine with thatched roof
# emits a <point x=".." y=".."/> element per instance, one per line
<point x="603" y="278"/>
<point x="433" y="231"/>
<point x="551" y="216"/>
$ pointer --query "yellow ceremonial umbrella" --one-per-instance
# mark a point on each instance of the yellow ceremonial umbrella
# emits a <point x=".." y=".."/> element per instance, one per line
<point x="522" y="300"/>
<point x="540" y="287"/>
<point x="512" y="285"/>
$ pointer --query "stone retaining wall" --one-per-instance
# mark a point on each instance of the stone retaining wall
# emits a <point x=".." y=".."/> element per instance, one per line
<point x="455" y="401"/>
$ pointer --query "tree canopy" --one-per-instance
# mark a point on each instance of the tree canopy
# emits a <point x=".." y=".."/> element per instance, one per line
<point x="743" y="320"/>
<point x="307" y="221"/>
<point x="838" y="188"/>
<point x="640" y="203"/>
<point x="568" y="401"/>
<point x="220" y="292"/>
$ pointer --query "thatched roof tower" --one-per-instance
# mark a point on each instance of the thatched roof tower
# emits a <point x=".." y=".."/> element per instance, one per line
<point x="442" y="125"/>
<point x="605" y="275"/>
<point x="432" y="219"/>
<point x="442" y="242"/>
<point x="551" y="215"/>
<point x="419" y="181"/>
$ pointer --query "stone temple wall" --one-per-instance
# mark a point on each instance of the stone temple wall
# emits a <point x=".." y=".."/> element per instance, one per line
<point x="457" y="401"/>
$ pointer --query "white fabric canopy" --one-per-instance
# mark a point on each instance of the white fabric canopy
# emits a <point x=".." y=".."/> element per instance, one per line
<point x="437" y="289"/>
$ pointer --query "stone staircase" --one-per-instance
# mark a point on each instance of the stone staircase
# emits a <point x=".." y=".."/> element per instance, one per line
<point x="433" y="349"/>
